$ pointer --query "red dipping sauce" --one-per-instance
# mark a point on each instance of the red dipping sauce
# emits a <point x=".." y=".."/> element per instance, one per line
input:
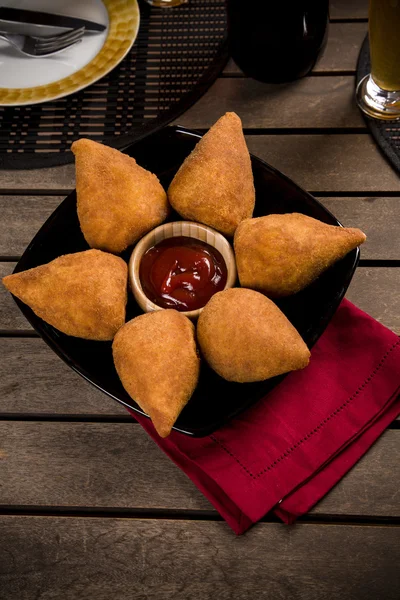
<point x="182" y="273"/>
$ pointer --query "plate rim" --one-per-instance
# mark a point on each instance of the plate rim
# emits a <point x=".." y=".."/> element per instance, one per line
<point x="117" y="18"/>
<point x="52" y="343"/>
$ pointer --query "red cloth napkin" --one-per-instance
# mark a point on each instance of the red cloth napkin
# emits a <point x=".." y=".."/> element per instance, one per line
<point x="287" y="451"/>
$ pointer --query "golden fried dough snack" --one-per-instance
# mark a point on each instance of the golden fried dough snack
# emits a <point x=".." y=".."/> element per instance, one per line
<point x="118" y="201"/>
<point x="215" y="185"/>
<point x="280" y="255"/>
<point x="156" y="359"/>
<point x="244" y="337"/>
<point x="82" y="294"/>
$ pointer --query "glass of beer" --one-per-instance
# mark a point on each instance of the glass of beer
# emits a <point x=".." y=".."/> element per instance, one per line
<point x="378" y="94"/>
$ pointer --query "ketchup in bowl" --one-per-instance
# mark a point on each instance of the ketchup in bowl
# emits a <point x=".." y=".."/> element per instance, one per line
<point x="182" y="273"/>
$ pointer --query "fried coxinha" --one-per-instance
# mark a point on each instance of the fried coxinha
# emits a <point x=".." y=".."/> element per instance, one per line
<point x="280" y="255"/>
<point x="156" y="358"/>
<point x="214" y="185"/>
<point x="117" y="200"/>
<point x="82" y="294"/>
<point x="245" y="337"/>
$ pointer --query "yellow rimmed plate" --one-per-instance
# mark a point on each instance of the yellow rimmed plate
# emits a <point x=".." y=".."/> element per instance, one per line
<point x="34" y="80"/>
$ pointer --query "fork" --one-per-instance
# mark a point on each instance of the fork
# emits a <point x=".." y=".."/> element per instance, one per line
<point x="43" y="46"/>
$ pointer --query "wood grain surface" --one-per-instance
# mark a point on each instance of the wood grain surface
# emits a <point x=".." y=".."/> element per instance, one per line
<point x="348" y="9"/>
<point x="22" y="217"/>
<point x="70" y="558"/>
<point x="10" y="316"/>
<point x="371" y="215"/>
<point x="343" y="47"/>
<point x="34" y="380"/>
<point x="117" y="466"/>
<point x="311" y="102"/>
<point x="328" y="163"/>
<point x="376" y="291"/>
<point x="320" y="163"/>
<point x="55" y="179"/>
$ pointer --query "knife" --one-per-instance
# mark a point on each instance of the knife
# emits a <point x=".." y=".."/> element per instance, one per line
<point x="11" y="17"/>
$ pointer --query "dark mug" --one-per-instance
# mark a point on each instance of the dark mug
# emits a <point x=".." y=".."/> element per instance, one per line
<point x="277" y="40"/>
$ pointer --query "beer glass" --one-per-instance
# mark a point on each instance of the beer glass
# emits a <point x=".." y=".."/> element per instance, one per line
<point x="378" y="94"/>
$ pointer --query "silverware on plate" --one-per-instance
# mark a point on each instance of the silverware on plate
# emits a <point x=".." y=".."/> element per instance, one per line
<point x="43" y="46"/>
<point x="32" y="22"/>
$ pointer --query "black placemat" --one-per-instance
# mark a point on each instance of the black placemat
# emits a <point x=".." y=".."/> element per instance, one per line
<point x="177" y="55"/>
<point x="385" y="133"/>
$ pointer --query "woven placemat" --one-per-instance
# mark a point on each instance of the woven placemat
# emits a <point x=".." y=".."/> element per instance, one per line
<point x="385" y="133"/>
<point x="177" y="55"/>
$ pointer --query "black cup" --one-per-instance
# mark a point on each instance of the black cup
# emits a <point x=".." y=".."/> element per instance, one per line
<point x="277" y="40"/>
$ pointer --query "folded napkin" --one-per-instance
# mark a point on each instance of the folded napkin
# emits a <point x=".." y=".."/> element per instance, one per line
<point x="288" y="450"/>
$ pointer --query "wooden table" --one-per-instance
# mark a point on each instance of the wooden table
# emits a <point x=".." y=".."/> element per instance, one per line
<point x="90" y="507"/>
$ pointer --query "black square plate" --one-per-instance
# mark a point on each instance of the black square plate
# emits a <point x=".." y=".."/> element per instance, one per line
<point x="215" y="400"/>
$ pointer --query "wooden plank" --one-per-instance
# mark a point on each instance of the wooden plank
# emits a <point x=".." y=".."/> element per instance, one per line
<point x="343" y="47"/>
<point x="348" y="9"/>
<point x="375" y="290"/>
<point x="61" y="558"/>
<point x="363" y="488"/>
<point x="116" y="465"/>
<point x="10" y="316"/>
<point x="378" y="217"/>
<point x="54" y="178"/>
<point x="34" y="380"/>
<point x="328" y="163"/>
<point x="322" y="163"/>
<point x="21" y="218"/>
<point x="312" y="102"/>
<point x="89" y="464"/>
<point x="341" y="52"/>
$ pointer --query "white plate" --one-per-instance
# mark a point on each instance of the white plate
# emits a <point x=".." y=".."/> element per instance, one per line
<point x="27" y="80"/>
